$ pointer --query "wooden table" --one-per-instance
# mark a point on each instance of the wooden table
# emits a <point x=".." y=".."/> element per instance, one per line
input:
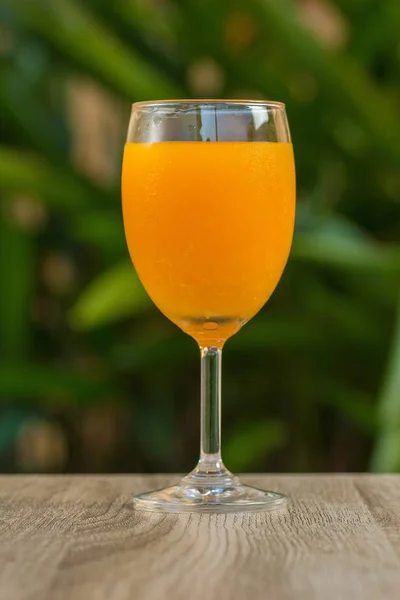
<point x="78" y="537"/>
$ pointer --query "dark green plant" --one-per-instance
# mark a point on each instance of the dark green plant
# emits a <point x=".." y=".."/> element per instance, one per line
<point x="313" y="383"/>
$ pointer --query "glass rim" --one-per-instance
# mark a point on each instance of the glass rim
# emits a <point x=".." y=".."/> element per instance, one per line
<point x="204" y="102"/>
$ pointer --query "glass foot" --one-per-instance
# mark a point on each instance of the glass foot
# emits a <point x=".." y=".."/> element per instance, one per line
<point x="211" y="494"/>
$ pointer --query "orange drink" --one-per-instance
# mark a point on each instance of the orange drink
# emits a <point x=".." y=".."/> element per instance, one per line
<point x="209" y="228"/>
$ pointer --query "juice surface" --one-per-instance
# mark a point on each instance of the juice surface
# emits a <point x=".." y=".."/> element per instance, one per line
<point x="209" y="227"/>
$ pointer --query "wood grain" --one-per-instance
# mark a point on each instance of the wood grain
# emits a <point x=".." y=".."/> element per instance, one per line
<point x="78" y="537"/>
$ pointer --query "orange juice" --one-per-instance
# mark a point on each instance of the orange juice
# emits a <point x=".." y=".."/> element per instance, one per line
<point x="209" y="227"/>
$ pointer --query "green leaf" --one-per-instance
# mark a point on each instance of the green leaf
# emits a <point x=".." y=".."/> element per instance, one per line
<point x="339" y="312"/>
<point x="337" y="73"/>
<point x="43" y="383"/>
<point x="252" y="443"/>
<point x="76" y="33"/>
<point x="26" y="173"/>
<point x="283" y="332"/>
<point x="155" y="421"/>
<point x="102" y="229"/>
<point x="147" y="16"/>
<point x="151" y="30"/>
<point x="350" y="403"/>
<point x="116" y="294"/>
<point x="386" y="455"/>
<point x="155" y="348"/>
<point x="346" y="253"/>
<point x="34" y="124"/>
<point x="17" y="271"/>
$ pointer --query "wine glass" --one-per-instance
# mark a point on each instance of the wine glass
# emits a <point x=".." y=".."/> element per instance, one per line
<point x="208" y="190"/>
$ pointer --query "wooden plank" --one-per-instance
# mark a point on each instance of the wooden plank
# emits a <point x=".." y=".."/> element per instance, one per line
<point x="78" y="537"/>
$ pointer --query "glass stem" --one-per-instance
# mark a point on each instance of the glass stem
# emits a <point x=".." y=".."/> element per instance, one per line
<point x="210" y="444"/>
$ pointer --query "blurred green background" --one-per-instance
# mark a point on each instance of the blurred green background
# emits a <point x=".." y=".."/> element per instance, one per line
<point x="92" y="377"/>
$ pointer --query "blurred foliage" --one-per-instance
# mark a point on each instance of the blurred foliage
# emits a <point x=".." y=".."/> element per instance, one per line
<point x="92" y="377"/>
